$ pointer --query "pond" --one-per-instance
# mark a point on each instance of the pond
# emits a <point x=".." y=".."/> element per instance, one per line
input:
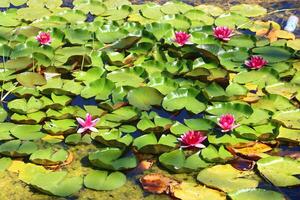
<point x="112" y="99"/>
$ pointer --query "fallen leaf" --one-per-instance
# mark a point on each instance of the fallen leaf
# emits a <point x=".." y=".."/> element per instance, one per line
<point x="158" y="183"/>
<point x="250" y="149"/>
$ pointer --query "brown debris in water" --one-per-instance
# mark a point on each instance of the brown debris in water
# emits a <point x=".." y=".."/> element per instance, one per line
<point x="158" y="183"/>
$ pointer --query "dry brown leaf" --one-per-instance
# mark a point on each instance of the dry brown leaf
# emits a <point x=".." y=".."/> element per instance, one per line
<point x="250" y="149"/>
<point x="158" y="183"/>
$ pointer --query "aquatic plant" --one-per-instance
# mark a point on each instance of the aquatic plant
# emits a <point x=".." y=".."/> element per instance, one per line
<point x="137" y="78"/>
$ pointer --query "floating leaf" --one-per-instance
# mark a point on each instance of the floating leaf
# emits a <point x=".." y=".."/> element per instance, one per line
<point x="177" y="162"/>
<point x="183" y="98"/>
<point x="102" y="180"/>
<point x="49" y="156"/>
<point x="192" y="191"/>
<point x="148" y="143"/>
<point x="139" y="97"/>
<point x="254" y="194"/>
<point x="280" y="171"/>
<point x="227" y="178"/>
<point x="249" y="10"/>
<point x="110" y="158"/>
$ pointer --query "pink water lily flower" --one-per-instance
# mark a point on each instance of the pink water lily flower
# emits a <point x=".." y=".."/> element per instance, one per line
<point x="44" y="38"/>
<point x="223" y="33"/>
<point x="227" y="123"/>
<point x="182" y="38"/>
<point x="88" y="124"/>
<point x="192" y="139"/>
<point x="256" y="62"/>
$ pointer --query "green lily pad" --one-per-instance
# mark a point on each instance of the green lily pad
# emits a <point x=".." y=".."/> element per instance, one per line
<point x="153" y="124"/>
<point x="289" y="134"/>
<point x="113" y="138"/>
<point x="27" y="132"/>
<point x="30" y="79"/>
<point x="112" y="159"/>
<point x="3" y="114"/>
<point x="49" y="156"/>
<point x="149" y="143"/>
<point x="254" y="194"/>
<point x="288" y="118"/>
<point x="183" y="98"/>
<point x="211" y="154"/>
<point x="249" y="10"/>
<point x="139" y="97"/>
<point x="99" y="88"/>
<point x="102" y="180"/>
<point x="191" y="124"/>
<point x="127" y="77"/>
<point x="60" y="127"/>
<point x="279" y="171"/>
<point x="92" y="6"/>
<point x="17" y="148"/>
<point x="25" y="107"/>
<point x="57" y="183"/>
<point x="272" y="54"/>
<point x="4" y="163"/>
<point x="231" y="20"/>
<point x="176" y="161"/>
<point x="160" y="30"/>
<point x="237" y="109"/>
<point x="227" y="178"/>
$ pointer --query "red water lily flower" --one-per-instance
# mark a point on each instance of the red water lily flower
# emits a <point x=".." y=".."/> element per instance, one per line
<point x="256" y="62"/>
<point x="44" y="38"/>
<point x="192" y="139"/>
<point x="223" y="33"/>
<point x="227" y="123"/>
<point x="182" y="38"/>
<point x="88" y="124"/>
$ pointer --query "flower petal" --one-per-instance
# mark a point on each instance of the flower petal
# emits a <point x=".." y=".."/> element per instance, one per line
<point x="93" y="129"/>
<point x="80" y="121"/>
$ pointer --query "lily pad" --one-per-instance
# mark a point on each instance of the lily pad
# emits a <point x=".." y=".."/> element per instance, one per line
<point x="183" y="98"/>
<point x="112" y="159"/>
<point x="102" y="180"/>
<point x="113" y="138"/>
<point x="280" y="171"/>
<point x="139" y="97"/>
<point x="18" y="148"/>
<point x="249" y="10"/>
<point x="254" y="194"/>
<point x="177" y="161"/>
<point x="227" y="178"/>
<point x="149" y="143"/>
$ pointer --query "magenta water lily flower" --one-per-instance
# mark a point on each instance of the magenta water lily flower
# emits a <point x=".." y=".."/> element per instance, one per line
<point x="223" y="33"/>
<point x="256" y="62"/>
<point x="227" y="123"/>
<point x="88" y="124"/>
<point x="182" y="38"/>
<point x="192" y="139"/>
<point x="44" y="38"/>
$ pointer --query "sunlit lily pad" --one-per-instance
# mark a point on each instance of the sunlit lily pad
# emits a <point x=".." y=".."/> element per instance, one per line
<point x="18" y="148"/>
<point x="150" y="144"/>
<point x="102" y="180"/>
<point x="183" y="98"/>
<point x="280" y="171"/>
<point x="112" y="159"/>
<point x="227" y="178"/>
<point x="177" y="161"/>
<point x="254" y="194"/>
<point x="249" y="10"/>
<point x="49" y="156"/>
